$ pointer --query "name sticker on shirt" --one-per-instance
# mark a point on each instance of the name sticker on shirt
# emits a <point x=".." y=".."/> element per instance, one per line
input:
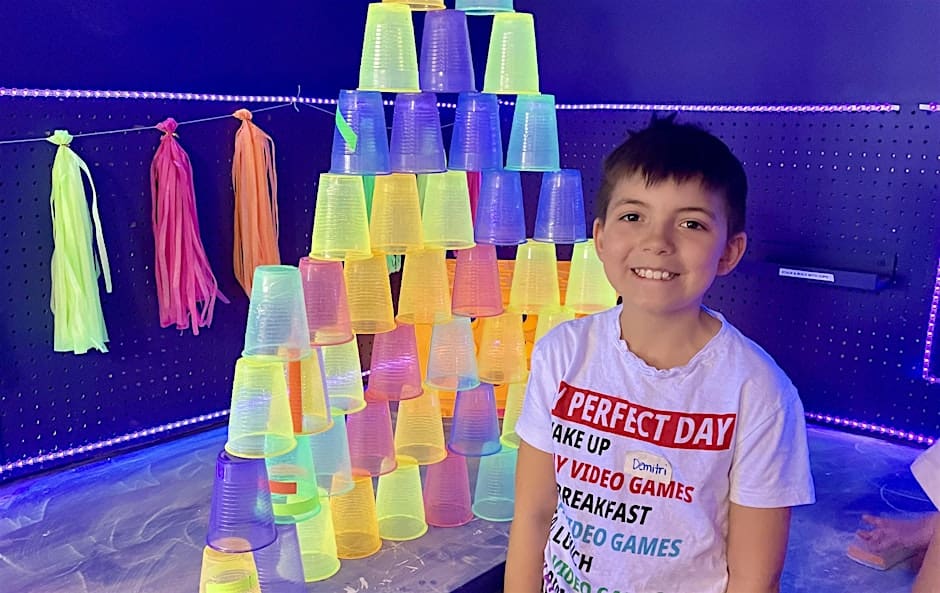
<point x="649" y="466"/>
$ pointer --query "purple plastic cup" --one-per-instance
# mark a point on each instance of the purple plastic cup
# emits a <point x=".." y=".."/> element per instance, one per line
<point x="371" y="444"/>
<point x="560" y="215"/>
<point x="241" y="518"/>
<point x="364" y="113"/>
<point x="476" y="144"/>
<point x="417" y="145"/>
<point x="447" y="493"/>
<point x="474" y="430"/>
<point x="500" y="218"/>
<point x="280" y="567"/>
<point x="446" y="65"/>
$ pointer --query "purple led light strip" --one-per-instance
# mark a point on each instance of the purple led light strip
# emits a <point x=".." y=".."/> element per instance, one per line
<point x="931" y="325"/>
<point x="872" y="428"/>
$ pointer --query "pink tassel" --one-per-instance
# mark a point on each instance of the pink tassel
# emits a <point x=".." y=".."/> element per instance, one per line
<point x="186" y="287"/>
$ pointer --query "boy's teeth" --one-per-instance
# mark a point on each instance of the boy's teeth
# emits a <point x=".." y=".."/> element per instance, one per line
<point x="653" y="274"/>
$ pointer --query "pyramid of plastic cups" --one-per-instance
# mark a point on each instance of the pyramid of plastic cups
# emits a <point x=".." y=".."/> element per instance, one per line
<point x="395" y="225"/>
<point x="484" y="7"/>
<point x="550" y="317"/>
<point x="325" y="301"/>
<point x="280" y="566"/>
<point x="259" y="423"/>
<point x="533" y="139"/>
<point x="425" y="288"/>
<point x="370" y="295"/>
<point x="331" y="457"/>
<point x="317" y="540"/>
<point x="389" y="57"/>
<point x="277" y="317"/>
<point x="447" y="493"/>
<point x="512" y="66"/>
<point x="477" y="291"/>
<point x="340" y="221"/>
<point x="508" y="437"/>
<point x="495" y="492"/>
<point x="501" y="355"/>
<point x="419" y="429"/>
<point x="420" y="4"/>
<point x="306" y="392"/>
<point x="395" y="374"/>
<point x="474" y="431"/>
<point x="292" y="479"/>
<point x="560" y="214"/>
<point x="399" y="503"/>
<point x="534" y="279"/>
<point x="417" y="144"/>
<point x="476" y="143"/>
<point x="500" y="218"/>
<point x="234" y="573"/>
<point x="240" y="517"/>
<point x="365" y="152"/>
<point x="452" y="361"/>
<point x="588" y="289"/>
<point x="446" y="217"/>
<point x="355" y="521"/>
<point x="446" y="65"/>
<point x="343" y="371"/>
<point x="371" y="444"/>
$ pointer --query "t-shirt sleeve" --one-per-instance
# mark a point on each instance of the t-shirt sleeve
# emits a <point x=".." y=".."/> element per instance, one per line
<point x="534" y="425"/>
<point x="926" y="469"/>
<point x="771" y="466"/>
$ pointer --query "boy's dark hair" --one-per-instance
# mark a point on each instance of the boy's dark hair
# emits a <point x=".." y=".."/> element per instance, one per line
<point x="665" y="151"/>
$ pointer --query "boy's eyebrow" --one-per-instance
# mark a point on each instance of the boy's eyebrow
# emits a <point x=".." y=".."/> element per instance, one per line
<point x="687" y="209"/>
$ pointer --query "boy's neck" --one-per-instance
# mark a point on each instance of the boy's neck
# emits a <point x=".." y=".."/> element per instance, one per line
<point x="667" y="341"/>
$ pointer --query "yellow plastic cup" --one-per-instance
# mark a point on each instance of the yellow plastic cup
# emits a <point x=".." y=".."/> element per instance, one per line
<point x="370" y="295"/>
<point x="318" y="543"/>
<point x="343" y="372"/>
<point x="514" y="401"/>
<point x="259" y="423"/>
<point x="534" y="279"/>
<point x="425" y="288"/>
<point x="418" y="5"/>
<point x="389" y="60"/>
<point x="228" y="573"/>
<point x="501" y="355"/>
<point x="549" y="317"/>
<point x="355" y="521"/>
<point x="445" y="217"/>
<point x="340" y="222"/>
<point x="588" y="289"/>
<point x="419" y="429"/>
<point x="395" y="226"/>
<point x="306" y="392"/>
<point x="400" y="504"/>
<point x="512" y="66"/>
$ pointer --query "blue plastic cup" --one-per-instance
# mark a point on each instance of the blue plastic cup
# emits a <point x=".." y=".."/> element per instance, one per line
<point x="476" y="144"/>
<point x="280" y="566"/>
<point x="240" y="518"/>
<point x="500" y="218"/>
<point x="533" y="140"/>
<point x="417" y="144"/>
<point x="484" y="7"/>
<point x="495" y="492"/>
<point x="331" y="457"/>
<point x="446" y="65"/>
<point x="474" y="431"/>
<point x="560" y="214"/>
<point x="360" y="137"/>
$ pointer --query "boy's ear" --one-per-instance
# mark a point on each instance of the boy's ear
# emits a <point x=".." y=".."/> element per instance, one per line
<point x="598" y="235"/>
<point x="734" y="251"/>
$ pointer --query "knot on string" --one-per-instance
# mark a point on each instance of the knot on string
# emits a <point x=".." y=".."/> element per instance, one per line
<point x="60" y="138"/>
<point x="168" y="126"/>
<point x="242" y="114"/>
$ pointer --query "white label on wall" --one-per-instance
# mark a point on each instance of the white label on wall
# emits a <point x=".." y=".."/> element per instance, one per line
<point x="806" y="275"/>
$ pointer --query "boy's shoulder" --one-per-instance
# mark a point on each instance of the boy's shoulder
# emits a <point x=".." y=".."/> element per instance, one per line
<point x="750" y="358"/>
<point x="572" y="333"/>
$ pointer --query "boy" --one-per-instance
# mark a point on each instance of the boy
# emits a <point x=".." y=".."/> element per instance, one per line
<point x="661" y="449"/>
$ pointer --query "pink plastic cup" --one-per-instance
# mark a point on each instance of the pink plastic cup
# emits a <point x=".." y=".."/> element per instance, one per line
<point x="447" y="493"/>
<point x="395" y="374"/>
<point x="325" y="299"/>
<point x="371" y="444"/>
<point x="477" y="292"/>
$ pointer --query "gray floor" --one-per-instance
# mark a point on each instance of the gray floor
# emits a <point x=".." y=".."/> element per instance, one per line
<point x="136" y="524"/>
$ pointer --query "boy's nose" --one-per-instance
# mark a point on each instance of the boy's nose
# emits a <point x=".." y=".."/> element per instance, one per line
<point x="658" y="241"/>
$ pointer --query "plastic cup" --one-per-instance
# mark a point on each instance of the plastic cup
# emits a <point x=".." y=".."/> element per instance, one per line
<point x="501" y="392"/>
<point x="423" y="333"/>
<point x="501" y="355"/>
<point x="477" y="291"/>
<point x="306" y="392"/>
<point x="447" y="399"/>
<point x="395" y="225"/>
<point x="340" y="221"/>
<point x="476" y="143"/>
<point x="292" y="479"/>
<point x="588" y="289"/>
<point x="512" y="66"/>
<point x="474" y="431"/>
<point x="534" y="279"/>
<point x="446" y="65"/>
<point x="399" y="502"/>
<point x="317" y="540"/>
<point x="417" y="144"/>
<point x="550" y="317"/>
<point x="228" y="573"/>
<point x="277" y="317"/>
<point x="495" y="492"/>
<point x="420" y="4"/>
<point x="395" y="374"/>
<point x="533" y="140"/>
<point x="343" y="371"/>
<point x="560" y="214"/>
<point x="389" y="57"/>
<point x="331" y="457"/>
<point x="280" y="567"/>
<point x="447" y="493"/>
<point x="370" y="295"/>
<point x="446" y="217"/>
<point x="355" y="521"/>
<point x="514" y="401"/>
<point x="425" y="288"/>
<point x="371" y="445"/>
<point x="500" y="218"/>
<point x="259" y="422"/>
<point x="484" y="7"/>
<point x="419" y="429"/>
<point x="240" y="517"/>
<point x="365" y="153"/>
<point x="325" y="301"/>
<point x="452" y="362"/>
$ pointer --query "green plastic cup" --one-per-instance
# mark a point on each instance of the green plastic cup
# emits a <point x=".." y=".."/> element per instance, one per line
<point x="292" y="479"/>
<point x="389" y="55"/>
<point x="400" y="504"/>
<point x="534" y="278"/>
<point x="550" y="317"/>
<point x="588" y="289"/>
<point x="512" y="66"/>
<point x="445" y="216"/>
<point x="318" y="544"/>
<point x="342" y="370"/>
<point x="340" y="222"/>
<point x="514" y="401"/>
<point x="259" y="423"/>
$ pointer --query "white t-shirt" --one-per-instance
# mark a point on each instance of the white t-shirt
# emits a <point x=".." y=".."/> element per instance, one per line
<point x="647" y="460"/>
<point x="926" y="469"/>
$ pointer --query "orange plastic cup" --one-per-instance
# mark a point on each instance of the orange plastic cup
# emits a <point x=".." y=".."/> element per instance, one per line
<point x="355" y="520"/>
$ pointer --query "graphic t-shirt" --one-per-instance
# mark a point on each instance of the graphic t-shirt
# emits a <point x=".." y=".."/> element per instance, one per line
<point x="926" y="469"/>
<point x="647" y="460"/>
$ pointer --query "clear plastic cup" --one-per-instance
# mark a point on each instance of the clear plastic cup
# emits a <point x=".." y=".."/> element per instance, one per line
<point x="514" y="401"/>
<point x="343" y="372"/>
<point x="399" y="503"/>
<point x="240" y="517"/>
<point x="452" y="362"/>
<point x="500" y="217"/>
<point x="446" y="217"/>
<point x="395" y="225"/>
<point x="447" y="493"/>
<point x="395" y="374"/>
<point x="501" y="355"/>
<point x="389" y="57"/>
<point x="417" y="144"/>
<point x="370" y="295"/>
<point x="588" y="289"/>
<point x="533" y="140"/>
<point x="340" y="221"/>
<point x="306" y="392"/>
<point x="476" y="143"/>
<point x="331" y="457"/>
<point x="280" y="567"/>
<point x="534" y="279"/>
<point x="484" y="7"/>
<point x="560" y="214"/>
<point x="317" y="540"/>
<point x="420" y="4"/>
<point x="325" y="301"/>
<point x="292" y="479"/>
<point x="550" y="317"/>
<point x="474" y="431"/>
<point x="259" y="422"/>
<point x="371" y="444"/>
<point x="277" y="317"/>
<point x="419" y="429"/>
<point x="365" y="151"/>
<point x="446" y="65"/>
<point x="512" y="66"/>
<point x="228" y="573"/>
<point x="355" y="520"/>
<point x="495" y="492"/>
<point x="425" y="288"/>
<point x="477" y="291"/>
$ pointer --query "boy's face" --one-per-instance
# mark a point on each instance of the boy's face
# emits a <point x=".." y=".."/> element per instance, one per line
<point x="663" y="245"/>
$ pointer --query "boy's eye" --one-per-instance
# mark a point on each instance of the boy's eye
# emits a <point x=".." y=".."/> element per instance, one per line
<point x="630" y="217"/>
<point x="692" y="224"/>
